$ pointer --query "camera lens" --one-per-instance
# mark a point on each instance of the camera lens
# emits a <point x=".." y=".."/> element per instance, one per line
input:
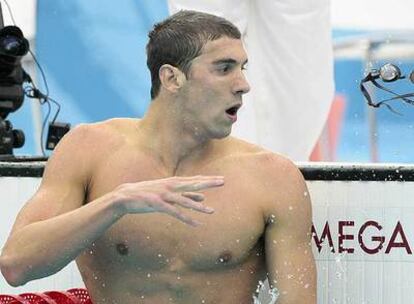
<point x="11" y="45"/>
<point x="12" y="42"/>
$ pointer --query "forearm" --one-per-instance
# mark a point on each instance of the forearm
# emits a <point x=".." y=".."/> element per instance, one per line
<point x="43" y="248"/>
<point x="297" y="286"/>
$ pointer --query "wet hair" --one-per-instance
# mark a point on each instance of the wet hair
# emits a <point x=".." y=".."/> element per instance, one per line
<point x="180" y="38"/>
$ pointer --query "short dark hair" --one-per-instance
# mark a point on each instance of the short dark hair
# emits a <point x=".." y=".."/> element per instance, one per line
<point x="180" y="38"/>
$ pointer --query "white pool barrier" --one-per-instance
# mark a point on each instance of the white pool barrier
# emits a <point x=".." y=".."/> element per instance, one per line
<point x="363" y="229"/>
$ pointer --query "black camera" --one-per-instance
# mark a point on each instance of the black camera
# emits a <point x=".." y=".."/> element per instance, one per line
<point x="13" y="46"/>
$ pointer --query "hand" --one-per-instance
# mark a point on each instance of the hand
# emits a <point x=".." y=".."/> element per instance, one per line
<point x="163" y="195"/>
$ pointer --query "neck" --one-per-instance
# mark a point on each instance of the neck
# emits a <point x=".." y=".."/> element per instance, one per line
<point x="175" y="145"/>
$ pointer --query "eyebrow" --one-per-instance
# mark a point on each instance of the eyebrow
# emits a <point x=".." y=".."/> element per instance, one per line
<point x="228" y="61"/>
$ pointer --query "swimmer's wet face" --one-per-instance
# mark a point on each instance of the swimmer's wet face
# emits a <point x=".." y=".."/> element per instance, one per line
<point x="180" y="38"/>
<point x="212" y="93"/>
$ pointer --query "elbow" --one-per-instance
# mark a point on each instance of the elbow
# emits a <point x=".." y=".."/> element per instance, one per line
<point x="11" y="272"/>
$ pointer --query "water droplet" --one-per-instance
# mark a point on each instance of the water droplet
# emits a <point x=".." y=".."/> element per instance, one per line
<point x="306" y="285"/>
<point x="338" y="258"/>
<point x="274" y="292"/>
<point x="260" y="286"/>
<point x="338" y="275"/>
<point x="148" y="275"/>
<point x="290" y="208"/>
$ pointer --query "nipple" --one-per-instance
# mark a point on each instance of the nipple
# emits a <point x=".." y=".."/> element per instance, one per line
<point x="225" y="257"/>
<point x="122" y="249"/>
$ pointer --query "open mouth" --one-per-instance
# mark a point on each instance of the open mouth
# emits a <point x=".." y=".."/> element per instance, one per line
<point x="233" y="110"/>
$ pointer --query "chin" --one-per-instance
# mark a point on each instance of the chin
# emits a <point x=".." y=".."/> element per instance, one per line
<point x="220" y="134"/>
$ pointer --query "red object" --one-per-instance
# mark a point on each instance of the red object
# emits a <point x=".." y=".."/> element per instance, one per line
<point x="9" y="299"/>
<point x="63" y="297"/>
<point x="37" y="298"/>
<point x="82" y="295"/>
<point x="325" y="148"/>
<point x="71" y="296"/>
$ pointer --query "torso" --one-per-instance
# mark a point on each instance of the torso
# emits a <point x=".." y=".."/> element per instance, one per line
<point x="154" y="258"/>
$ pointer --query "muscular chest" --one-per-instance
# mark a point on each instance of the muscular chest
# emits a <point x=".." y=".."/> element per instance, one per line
<point x="158" y="241"/>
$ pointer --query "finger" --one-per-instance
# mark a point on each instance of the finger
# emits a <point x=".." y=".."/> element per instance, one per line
<point x="198" y="197"/>
<point x="198" y="177"/>
<point x="175" y="212"/>
<point x="198" y="186"/>
<point x="187" y="203"/>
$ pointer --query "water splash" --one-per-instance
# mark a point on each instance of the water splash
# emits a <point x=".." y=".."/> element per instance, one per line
<point x="273" y="292"/>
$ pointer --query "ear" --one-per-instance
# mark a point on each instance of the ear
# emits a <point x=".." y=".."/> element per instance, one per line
<point x="171" y="78"/>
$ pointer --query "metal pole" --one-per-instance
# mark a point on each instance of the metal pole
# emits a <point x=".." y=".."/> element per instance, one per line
<point x="371" y="114"/>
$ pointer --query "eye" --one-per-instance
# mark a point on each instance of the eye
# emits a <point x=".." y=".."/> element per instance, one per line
<point x="225" y="68"/>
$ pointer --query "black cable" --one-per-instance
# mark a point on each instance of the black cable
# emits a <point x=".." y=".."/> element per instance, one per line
<point x="32" y="91"/>
<point x="43" y="98"/>
<point x="58" y="108"/>
<point x="44" y="126"/>
<point x="10" y="12"/>
<point x="41" y="72"/>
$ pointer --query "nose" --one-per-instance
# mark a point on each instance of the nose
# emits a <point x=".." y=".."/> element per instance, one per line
<point x="241" y="85"/>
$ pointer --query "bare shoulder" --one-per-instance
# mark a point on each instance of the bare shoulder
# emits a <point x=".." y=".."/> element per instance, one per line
<point x="69" y="170"/>
<point x="84" y="145"/>
<point x="284" y="188"/>
<point x="102" y="133"/>
<point x="280" y="183"/>
<point x="266" y="163"/>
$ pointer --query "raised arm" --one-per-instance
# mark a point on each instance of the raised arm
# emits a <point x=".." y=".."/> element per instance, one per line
<point x="52" y="229"/>
<point x="290" y="262"/>
<point x="55" y="225"/>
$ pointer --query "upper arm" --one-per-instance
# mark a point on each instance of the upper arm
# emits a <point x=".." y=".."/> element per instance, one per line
<point x="63" y="183"/>
<point x="290" y="262"/>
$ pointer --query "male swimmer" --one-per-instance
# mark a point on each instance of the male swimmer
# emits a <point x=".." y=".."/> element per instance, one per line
<point x="170" y="208"/>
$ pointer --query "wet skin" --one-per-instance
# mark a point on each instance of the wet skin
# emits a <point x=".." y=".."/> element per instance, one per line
<point x="158" y="259"/>
<point x="110" y="196"/>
